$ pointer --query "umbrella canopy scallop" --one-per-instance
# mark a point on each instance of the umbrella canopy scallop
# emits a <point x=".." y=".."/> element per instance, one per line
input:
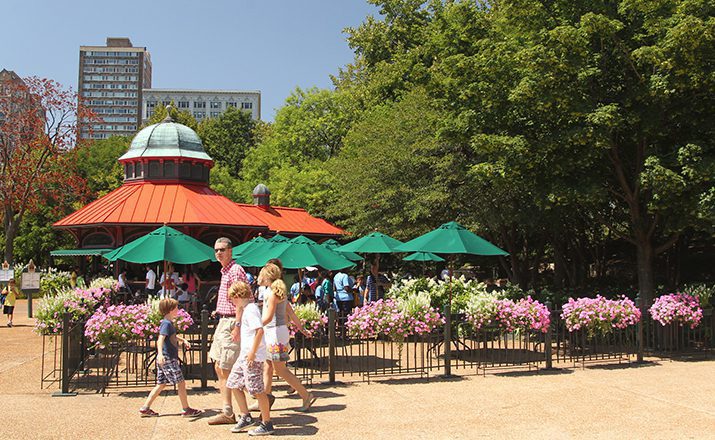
<point x="333" y="245"/>
<point x="423" y="256"/>
<point x="297" y="253"/>
<point x="451" y="238"/>
<point x="163" y="244"/>
<point x="248" y="246"/>
<point x="373" y="243"/>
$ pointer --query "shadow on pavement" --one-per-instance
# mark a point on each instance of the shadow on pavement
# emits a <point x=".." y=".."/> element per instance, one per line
<point x="295" y="423"/>
<point x="421" y="380"/>
<point x="623" y="366"/>
<point x="539" y="372"/>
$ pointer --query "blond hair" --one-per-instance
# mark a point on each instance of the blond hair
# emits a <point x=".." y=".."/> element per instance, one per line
<point x="166" y="305"/>
<point x="272" y="273"/>
<point x="240" y="289"/>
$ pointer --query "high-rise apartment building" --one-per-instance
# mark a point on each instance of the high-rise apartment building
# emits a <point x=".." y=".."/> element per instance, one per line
<point x="111" y="80"/>
<point x="202" y="104"/>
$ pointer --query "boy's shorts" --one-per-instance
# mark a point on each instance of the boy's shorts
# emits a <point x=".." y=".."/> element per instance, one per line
<point x="169" y="373"/>
<point x="8" y="310"/>
<point x="223" y="350"/>
<point x="247" y="376"/>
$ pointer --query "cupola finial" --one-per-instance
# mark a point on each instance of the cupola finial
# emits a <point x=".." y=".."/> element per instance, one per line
<point x="168" y="117"/>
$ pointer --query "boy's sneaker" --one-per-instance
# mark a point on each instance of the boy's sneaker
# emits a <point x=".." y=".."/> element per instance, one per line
<point x="243" y="423"/>
<point x="148" y="412"/>
<point x="191" y="412"/>
<point x="263" y="429"/>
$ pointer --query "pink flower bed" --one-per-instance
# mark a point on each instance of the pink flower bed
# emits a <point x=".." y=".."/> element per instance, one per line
<point x="385" y="317"/>
<point x="121" y="323"/>
<point x="526" y="314"/>
<point x="677" y="308"/>
<point x="599" y="315"/>
<point x="312" y="326"/>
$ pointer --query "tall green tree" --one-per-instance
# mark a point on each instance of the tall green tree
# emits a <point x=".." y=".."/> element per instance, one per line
<point x="228" y="138"/>
<point x="308" y="130"/>
<point x="97" y="163"/>
<point x="600" y="108"/>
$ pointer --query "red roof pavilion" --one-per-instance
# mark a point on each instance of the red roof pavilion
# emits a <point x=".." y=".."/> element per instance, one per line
<point x="166" y="181"/>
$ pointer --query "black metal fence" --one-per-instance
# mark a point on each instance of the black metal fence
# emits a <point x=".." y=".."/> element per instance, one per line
<point x="675" y="339"/>
<point x="332" y="354"/>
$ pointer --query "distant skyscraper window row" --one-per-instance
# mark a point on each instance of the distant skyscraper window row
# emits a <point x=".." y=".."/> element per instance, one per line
<point x="120" y="70"/>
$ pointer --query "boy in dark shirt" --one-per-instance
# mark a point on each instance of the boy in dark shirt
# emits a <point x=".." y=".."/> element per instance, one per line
<point x="168" y="370"/>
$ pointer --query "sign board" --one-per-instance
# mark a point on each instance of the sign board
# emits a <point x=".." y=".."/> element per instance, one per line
<point x="7" y="274"/>
<point x="30" y="280"/>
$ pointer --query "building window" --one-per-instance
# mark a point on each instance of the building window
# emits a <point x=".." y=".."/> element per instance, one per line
<point x="230" y="104"/>
<point x="216" y="105"/>
<point x="215" y="114"/>
<point x="169" y="169"/>
<point x="185" y="170"/>
<point x="199" y="104"/>
<point x="197" y="172"/>
<point x="129" y="171"/>
<point x="150" y="104"/>
<point x="165" y="103"/>
<point x="183" y="104"/>
<point x="138" y="170"/>
<point x="246" y="105"/>
<point x="154" y="168"/>
<point x="199" y="115"/>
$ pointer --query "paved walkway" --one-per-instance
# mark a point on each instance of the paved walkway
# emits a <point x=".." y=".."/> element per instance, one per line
<point x="661" y="400"/>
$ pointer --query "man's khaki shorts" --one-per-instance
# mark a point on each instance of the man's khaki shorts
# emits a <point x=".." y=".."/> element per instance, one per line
<point x="223" y="350"/>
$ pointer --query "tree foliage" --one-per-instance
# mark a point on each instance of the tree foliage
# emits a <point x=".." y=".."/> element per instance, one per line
<point x="97" y="163"/>
<point x="37" y="129"/>
<point x="228" y="137"/>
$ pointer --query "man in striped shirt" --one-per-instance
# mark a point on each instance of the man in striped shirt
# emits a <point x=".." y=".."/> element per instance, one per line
<point x="225" y="347"/>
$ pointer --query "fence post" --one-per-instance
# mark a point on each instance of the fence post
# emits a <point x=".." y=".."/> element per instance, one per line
<point x="204" y="346"/>
<point x="639" y="327"/>
<point x="447" y="342"/>
<point x="331" y="345"/>
<point x="547" y="341"/>
<point x="65" y="376"/>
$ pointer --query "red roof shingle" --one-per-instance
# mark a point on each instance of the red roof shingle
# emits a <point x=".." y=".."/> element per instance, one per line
<point x="178" y="203"/>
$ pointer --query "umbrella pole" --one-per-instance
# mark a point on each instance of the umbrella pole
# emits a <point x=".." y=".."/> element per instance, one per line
<point x="166" y="278"/>
<point x="451" y="278"/>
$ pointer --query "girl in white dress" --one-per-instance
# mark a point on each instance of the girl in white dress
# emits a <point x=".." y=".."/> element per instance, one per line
<point x="276" y="312"/>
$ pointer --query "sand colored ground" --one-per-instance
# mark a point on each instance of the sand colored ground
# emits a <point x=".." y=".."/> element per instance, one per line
<point x="661" y="400"/>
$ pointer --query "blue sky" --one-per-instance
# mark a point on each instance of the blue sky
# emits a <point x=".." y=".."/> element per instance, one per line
<point x="269" y="45"/>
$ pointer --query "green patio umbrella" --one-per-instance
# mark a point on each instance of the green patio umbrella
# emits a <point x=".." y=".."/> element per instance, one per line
<point x="298" y="253"/>
<point x="423" y="256"/>
<point x="259" y="247"/>
<point x="247" y="246"/>
<point x="163" y="244"/>
<point x="451" y="238"/>
<point x="333" y="244"/>
<point x="374" y="243"/>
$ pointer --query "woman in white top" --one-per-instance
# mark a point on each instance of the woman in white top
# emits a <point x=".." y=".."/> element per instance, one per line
<point x="276" y="312"/>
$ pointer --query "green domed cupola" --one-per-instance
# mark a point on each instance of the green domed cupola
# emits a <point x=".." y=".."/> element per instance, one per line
<point x="166" y="151"/>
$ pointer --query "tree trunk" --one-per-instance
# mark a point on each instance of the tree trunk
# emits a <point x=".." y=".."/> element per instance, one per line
<point x="11" y="223"/>
<point x="645" y="257"/>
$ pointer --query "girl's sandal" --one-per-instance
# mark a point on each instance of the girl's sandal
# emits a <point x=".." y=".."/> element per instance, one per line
<point x="307" y="403"/>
